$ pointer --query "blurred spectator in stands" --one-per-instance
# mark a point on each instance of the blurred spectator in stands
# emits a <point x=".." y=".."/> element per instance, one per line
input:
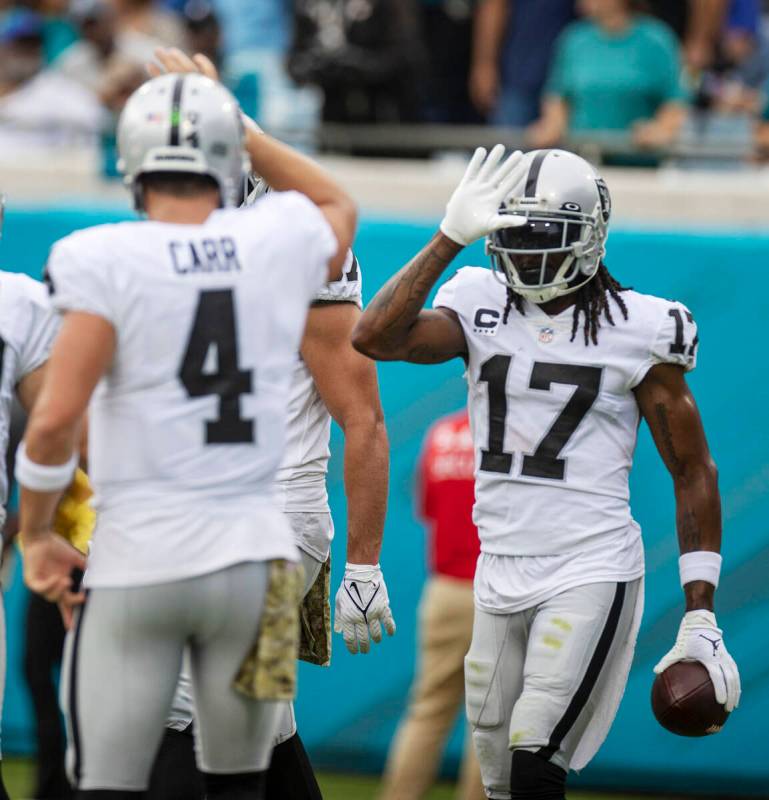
<point x="366" y="56"/>
<point x="148" y="18"/>
<point x="761" y="136"/>
<point x="616" y="70"/>
<point x="512" y="49"/>
<point x="446" y="497"/>
<point x="447" y="33"/>
<point x="58" y="30"/>
<point x="737" y="79"/>
<point x="39" y="108"/>
<point x="120" y="80"/>
<point x="204" y="33"/>
<point x="102" y="45"/>
<point x="254" y="25"/>
<point x="697" y="24"/>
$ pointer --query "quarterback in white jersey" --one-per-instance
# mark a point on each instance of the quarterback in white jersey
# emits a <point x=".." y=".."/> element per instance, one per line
<point x="562" y="363"/>
<point x="28" y="327"/>
<point x="329" y="379"/>
<point x="180" y="331"/>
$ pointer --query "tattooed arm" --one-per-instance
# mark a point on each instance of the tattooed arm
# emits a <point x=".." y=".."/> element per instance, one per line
<point x="396" y="327"/>
<point x="671" y="412"/>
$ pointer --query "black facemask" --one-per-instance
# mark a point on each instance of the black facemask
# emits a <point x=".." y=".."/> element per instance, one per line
<point x="538" y="234"/>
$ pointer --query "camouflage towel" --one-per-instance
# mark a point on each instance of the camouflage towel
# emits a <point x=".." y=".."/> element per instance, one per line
<point x="268" y="672"/>
<point x="315" y="620"/>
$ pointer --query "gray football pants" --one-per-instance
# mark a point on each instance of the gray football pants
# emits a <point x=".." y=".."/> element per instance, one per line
<point x="549" y="679"/>
<point x="182" y="709"/>
<point x="122" y="662"/>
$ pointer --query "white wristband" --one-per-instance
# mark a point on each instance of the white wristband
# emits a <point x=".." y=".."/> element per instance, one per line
<point x="701" y="565"/>
<point x="43" y="477"/>
<point x="361" y="572"/>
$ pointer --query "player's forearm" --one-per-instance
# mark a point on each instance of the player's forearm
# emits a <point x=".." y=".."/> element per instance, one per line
<point x="50" y="438"/>
<point x="48" y="443"/>
<point x="285" y="169"/>
<point x="36" y="512"/>
<point x="698" y="520"/>
<point x="366" y="475"/>
<point x="383" y="330"/>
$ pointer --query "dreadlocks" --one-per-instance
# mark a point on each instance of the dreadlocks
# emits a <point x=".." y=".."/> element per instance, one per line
<point x="592" y="301"/>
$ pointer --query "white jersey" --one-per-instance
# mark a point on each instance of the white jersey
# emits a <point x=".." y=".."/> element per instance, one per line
<point x="555" y="425"/>
<point x="28" y="326"/>
<point x="187" y="428"/>
<point x="301" y="480"/>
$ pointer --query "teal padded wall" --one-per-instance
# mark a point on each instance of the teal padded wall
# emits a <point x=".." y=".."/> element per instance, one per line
<point x="347" y="714"/>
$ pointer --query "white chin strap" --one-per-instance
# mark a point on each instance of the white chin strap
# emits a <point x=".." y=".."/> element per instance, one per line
<point x="540" y="295"/>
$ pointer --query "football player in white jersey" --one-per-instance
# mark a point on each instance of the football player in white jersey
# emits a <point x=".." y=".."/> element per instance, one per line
<point x="184" y="328"/>
<point x="562" y="362"/>
<point x="28" y="327"/>
<point x="329" y="378"/>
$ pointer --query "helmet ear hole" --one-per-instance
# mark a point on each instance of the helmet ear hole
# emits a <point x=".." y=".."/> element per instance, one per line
<point x="138" y="195"/>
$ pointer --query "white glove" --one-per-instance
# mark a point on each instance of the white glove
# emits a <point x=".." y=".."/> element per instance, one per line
<point x="700" y="639"/>
<point x="473" y="210"/>
<point x="362" y="605"/>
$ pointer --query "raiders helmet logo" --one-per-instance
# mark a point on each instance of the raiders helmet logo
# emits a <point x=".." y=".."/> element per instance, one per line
<point x="605" y="197"/>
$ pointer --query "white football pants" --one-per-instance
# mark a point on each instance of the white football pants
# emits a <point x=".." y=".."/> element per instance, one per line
<point x="122" y="662"/>
<point x="550" y="678"/>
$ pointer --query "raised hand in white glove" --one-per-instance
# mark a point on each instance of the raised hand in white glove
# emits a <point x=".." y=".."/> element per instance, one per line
<point x="473" y="210"/>
<point x="700" y="639"/>
<point x="362" y="605"/>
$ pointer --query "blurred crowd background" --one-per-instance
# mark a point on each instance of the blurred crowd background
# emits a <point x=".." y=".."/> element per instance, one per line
<point x="631" y="82"/>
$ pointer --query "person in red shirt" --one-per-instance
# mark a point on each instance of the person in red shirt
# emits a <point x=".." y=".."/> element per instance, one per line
<point x="445" y="498"/>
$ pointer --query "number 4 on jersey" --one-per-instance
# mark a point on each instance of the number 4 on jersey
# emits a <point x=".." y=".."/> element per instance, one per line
<point x="214" y="326"/>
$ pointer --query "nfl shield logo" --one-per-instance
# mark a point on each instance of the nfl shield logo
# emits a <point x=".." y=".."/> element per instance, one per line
<point x="546" y="335"/>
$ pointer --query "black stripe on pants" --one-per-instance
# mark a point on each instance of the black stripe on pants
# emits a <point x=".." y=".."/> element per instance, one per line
<point x="590" y="678"/>
<point x="73" y="695"/>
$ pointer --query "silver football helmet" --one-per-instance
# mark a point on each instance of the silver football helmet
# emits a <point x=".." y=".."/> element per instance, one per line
<point x="567" y="207"/>
<point x="183" y="123"/>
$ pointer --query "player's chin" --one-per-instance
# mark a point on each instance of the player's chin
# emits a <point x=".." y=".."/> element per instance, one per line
<point x="530" y="271"/>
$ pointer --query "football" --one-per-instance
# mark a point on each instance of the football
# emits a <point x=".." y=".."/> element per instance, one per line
<point x="684" y="701"/>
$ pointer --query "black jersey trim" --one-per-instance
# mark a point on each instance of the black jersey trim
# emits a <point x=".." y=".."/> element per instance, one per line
<point x="591" y="676"/>
<point x="533" y="176"/>
<point x="176" y="102"/>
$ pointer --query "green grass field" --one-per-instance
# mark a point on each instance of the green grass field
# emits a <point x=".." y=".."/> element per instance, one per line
<point x="18" y="778"/>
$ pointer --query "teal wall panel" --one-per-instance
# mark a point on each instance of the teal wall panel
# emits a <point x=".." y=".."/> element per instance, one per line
<point x="348" y="713"/>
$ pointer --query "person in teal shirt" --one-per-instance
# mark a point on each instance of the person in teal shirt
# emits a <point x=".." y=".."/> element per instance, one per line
<point x="615" y="70"/>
